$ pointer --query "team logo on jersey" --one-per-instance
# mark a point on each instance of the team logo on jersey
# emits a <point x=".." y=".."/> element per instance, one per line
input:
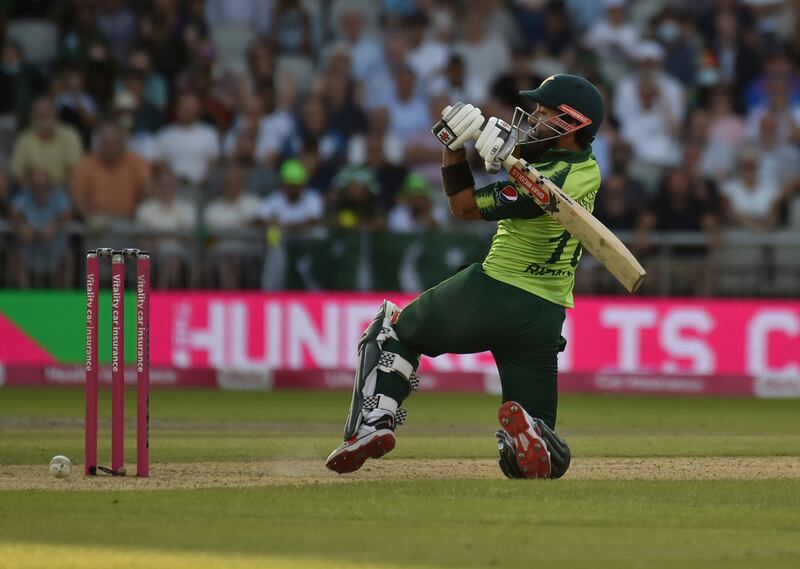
<point x="508" y="194"/>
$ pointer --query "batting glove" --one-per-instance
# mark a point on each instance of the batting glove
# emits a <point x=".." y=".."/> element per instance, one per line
<point x="495" y="143"/>
<point x="460" y="123"/>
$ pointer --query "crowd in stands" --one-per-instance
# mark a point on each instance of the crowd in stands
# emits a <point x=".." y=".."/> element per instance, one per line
<point x="173" y="118"/>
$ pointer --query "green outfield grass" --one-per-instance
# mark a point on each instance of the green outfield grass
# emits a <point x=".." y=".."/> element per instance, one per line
<point x="459" y="522"/>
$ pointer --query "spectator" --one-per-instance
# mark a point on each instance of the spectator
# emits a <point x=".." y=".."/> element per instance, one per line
<point x="681" y="50"/>
<point x="260" y="118"/>
<point x="365" y="51"/>
<point x="110" y="182"/>
<point x="355" y="200"/>
<point x="380" y="88"/>
<point x="650" y="126"/>
<point x="154" y="89"/>
<point x="613" y="36"/>
<point x="168" y="221"/>
<point x="671" y="95"/>
<point x="454" y="83"/>
<point x="677" y="208"/>
<point x="378" y="127"/>
<point x="116" y="21"/>
<point x="19" y="84"/>
<point x="291" y="29"/>
<point x="780" y="161"/>
<point x="415" y="210"/>
<point x="777" y="68"/>
<point x="296" y="207"/>
<point x="314" y="128"/>
<point x="750" y="198"/>
<point x="619" y="203"/>
<point x="423" y="152"/>
<point x="344" y="114"/>
<point x="518" y="78"/>
<point x="39" y="212"/>
<point x="389" y="174"/>
<point x="74" y="105"/>
<point x="486" y="55"/>
<point x="254" y="14"/>
<point x="259" y="177"/>
<point x="780" y="105"/>
<point x="225" y="217"/>
<point x="145" y="116"/>
<point x="188" y="145"/>
<point x="46" y="144"/>
<point x="426" y="55"/>
<point x="736" y="57"/>
<point x="408" y="113"/>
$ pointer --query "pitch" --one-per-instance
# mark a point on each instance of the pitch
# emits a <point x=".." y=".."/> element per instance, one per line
<point x="238" y="480"/>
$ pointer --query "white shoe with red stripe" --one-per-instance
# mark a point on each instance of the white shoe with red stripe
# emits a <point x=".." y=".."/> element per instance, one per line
<point x="530" y="449"/>
<point x="374" y="439"/>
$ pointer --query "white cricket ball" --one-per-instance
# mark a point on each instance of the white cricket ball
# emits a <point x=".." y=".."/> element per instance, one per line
<point x="60" y="466"/>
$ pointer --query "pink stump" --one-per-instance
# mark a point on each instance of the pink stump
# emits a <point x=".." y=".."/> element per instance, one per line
<point x="92" y="311"/>
<point x="117" y="361"/>
<point x="143" y="365"/>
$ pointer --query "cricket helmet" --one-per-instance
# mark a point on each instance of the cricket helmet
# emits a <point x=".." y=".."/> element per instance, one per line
<point x="578" y="101"/>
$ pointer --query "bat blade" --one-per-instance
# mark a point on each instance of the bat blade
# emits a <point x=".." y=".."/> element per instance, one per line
<point x="593" y="235"/>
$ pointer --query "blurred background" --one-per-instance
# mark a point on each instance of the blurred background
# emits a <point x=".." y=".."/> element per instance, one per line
<point x="285" y="144"/>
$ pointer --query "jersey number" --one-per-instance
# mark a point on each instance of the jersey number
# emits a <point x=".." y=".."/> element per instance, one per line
<point x="561" y="242"/>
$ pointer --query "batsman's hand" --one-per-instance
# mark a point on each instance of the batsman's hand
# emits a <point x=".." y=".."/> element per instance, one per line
<point x="460" y="123"/>
<point x="495" y="143"/>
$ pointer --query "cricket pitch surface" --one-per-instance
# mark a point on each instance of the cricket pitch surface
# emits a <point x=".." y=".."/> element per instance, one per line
<point x="238" y="481"/>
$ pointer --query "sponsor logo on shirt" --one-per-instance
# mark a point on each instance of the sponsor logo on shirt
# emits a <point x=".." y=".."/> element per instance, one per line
<point x="508" y="194"/>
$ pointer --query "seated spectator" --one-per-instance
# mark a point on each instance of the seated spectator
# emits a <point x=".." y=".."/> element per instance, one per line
<point x="365" y="51"/>
<point x="39" y="212"/>
<point x="408" y="112"/>
<point x="780" y="161"/>
<point x="314" y="128"/>
<point x="355" y="200"/>
<point x="485" y="53"/>
<point x="46" y="144"/>
<point x="296" y="207"/>
<point x="225" y="217"/>
<point x="613" y="37"/>
<point x="344" y="114"/>
<point x="505" y="90"/>
<point x="291" y="31"/>
<point x="733" y="50"/>
<point x="271" y="126"/>
<point x="19" y="84"/>
<point x="667" y="92"/>
<point x="378" y="127"/>
<point x="750" y="199"/>
<point x="426" y="55"/>
<point x="379" y="88"/>
<point x="146" y="117"/>
<point x="415" y="210"/>
<point x="109" y="183"/>
<point x="155" y="90"/>
<point x="619" y="202"/>
<point x="74" y="105"/>
<point x="389" y="174"/>
<point x="168" y="222"/>
<point x="188" y="145"/>
<point x="681" y="50"/>
<point x="779" y="104"/>
<point x="650" y="126"/>
<point x="676" y="207"/>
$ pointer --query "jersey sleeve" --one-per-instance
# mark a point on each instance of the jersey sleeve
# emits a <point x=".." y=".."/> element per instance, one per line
<point x="502" y="200"/>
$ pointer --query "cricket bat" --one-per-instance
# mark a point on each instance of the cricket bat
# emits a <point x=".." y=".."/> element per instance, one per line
<point x="595" y="237"/>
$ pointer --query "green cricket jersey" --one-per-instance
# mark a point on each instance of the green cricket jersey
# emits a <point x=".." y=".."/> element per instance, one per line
<point x="530" y="250"/>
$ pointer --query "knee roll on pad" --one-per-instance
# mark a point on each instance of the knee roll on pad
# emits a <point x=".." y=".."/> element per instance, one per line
<point x="372" y="358"/>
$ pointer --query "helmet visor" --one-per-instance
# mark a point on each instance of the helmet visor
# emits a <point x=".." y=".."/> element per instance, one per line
<point x="544" y="124"/>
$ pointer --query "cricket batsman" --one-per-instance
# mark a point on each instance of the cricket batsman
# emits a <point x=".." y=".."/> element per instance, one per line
<point x="513" y="304"/>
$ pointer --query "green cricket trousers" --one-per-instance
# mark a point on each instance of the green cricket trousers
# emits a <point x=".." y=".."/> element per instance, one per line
<point x="471" y="312"/>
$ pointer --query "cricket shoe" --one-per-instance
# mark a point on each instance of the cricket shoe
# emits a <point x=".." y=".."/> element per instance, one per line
<point x="523" y="450"/>
<point x="375" y="437"/>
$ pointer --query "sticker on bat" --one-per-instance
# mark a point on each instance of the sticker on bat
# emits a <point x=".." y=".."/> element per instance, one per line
<point x="541" y="195"/>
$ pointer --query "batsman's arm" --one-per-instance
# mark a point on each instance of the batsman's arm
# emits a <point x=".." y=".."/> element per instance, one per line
<point x="456" y="179"/>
